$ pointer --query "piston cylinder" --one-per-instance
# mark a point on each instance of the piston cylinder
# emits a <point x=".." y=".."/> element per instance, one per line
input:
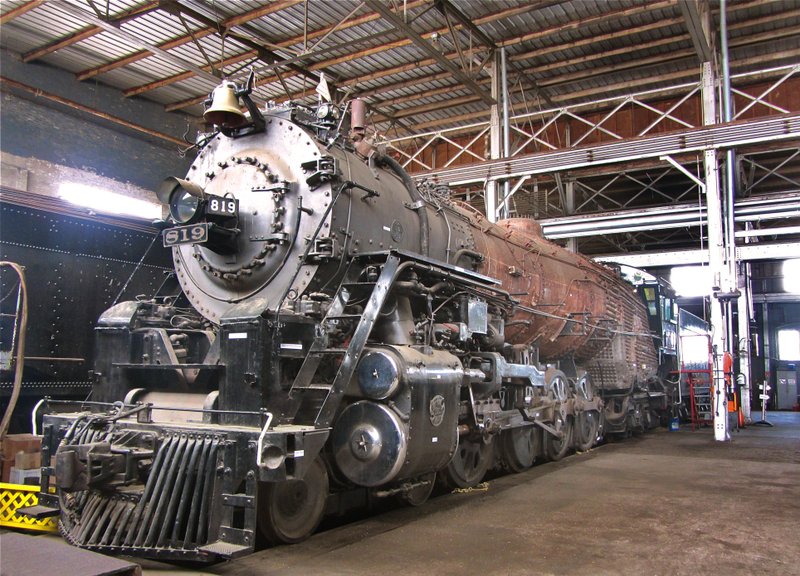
<point x="405" y="425"/>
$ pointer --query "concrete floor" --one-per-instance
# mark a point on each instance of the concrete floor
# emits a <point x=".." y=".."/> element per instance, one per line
<point x="664" y="503"/>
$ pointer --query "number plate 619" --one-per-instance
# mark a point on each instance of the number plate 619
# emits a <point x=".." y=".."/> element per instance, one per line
<point x="193" y="234"/>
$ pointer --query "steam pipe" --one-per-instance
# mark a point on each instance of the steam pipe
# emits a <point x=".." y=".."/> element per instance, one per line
<point x="727" y="116"/>
<point x="506" y="137"/>
<point x="416" y="200"/>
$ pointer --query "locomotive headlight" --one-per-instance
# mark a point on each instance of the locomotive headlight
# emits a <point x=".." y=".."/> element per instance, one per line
<point x="183" y="198"/>
<point x="183" y="206"/>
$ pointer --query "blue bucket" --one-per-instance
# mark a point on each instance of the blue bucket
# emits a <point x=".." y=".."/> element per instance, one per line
<point x="674" y="424"/>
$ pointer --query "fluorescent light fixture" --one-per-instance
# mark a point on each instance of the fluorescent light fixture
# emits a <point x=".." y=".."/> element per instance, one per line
<point x="101" y="200"/>
<point x="791" y="276"/>
<point x="691" y="281"/>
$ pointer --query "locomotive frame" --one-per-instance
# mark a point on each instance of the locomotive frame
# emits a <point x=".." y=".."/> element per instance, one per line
<point x="339" y="329"/>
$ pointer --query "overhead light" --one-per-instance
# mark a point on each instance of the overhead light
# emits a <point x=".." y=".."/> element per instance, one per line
<point x="105" y="201"/>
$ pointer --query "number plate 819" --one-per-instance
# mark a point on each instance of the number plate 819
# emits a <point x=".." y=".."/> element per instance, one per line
<point x="193" y="234"/>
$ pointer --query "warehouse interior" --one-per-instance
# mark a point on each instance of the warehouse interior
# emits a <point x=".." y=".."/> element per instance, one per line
<point x="658" y="135"/>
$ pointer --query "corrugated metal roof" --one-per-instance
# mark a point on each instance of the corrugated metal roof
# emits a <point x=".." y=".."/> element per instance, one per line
<point x="559" y="44"/>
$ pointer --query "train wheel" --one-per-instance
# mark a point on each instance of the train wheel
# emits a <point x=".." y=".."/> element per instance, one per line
<point x="418" y="495"/>
<point x="469" y="464"/>
<point x="520" y="447"/>
<point x="556" y="448"/>
<point x="289" y="512"/>
<point x="587" y="425"/>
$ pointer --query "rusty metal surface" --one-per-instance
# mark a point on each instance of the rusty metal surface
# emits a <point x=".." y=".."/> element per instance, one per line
<point x="570" y="306"/>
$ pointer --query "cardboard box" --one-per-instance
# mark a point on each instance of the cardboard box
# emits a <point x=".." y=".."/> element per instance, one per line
<point x="14" y="443"/>
<point x="28" y="460"/>
<point x="8" y="464"/>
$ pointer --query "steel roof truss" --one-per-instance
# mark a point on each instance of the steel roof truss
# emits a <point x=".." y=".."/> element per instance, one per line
<point x="760" y="98"/>
<point x="399" y="24"/>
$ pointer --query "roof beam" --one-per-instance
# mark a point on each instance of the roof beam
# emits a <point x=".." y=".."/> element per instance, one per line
<point x="661" y="23"/>
<point x="597" y="71"/>
<point x="445" y="7"/>
<point x="283" y="44"/>
<point x="593" y="72"/>
<point x="606" y="90"/>
<point x="185" y="39"/>
<point x="264" y="54"/>
<point x="508" y="12"/>
<point x="7" y="17"/>
<point x="697" y="15"/>
<point x="136" y="90"/>
<point x="87" y="32"/>
<point x="582" y="22"/>
<point x="114" y="30"/>
<point x="492" y="17"/>
<point x="136" y="56"/>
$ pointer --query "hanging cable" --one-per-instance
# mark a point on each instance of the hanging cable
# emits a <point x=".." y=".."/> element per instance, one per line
<point x="20" y="360"/>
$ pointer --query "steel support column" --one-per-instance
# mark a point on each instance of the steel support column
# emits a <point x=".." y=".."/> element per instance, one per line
<point x="716" y="258"/>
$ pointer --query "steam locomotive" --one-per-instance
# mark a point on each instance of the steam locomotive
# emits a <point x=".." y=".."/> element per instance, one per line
<point x="339" y="329"/>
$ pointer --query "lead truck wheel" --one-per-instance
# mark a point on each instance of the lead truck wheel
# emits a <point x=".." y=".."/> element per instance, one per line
<point x="289" y="512"/>
<point x="418" y="495"/>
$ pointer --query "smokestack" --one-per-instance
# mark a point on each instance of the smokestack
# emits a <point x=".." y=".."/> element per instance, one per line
<point x="358" y="116"/>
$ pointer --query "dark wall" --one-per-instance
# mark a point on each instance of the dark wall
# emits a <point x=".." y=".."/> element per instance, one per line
<point x="39" y="128"/>
<point x="75" y="268"/>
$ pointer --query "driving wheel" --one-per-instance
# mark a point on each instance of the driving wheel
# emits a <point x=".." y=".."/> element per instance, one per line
<point x="587" y="425"/>
<point x="469" y="464"/>
<point x="520" y="447"/>
<point x="556" y="448"/>
<point x="587" y="422"/>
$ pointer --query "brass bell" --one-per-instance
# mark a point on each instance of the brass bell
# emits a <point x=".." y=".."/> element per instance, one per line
<point x="224" y="109"/>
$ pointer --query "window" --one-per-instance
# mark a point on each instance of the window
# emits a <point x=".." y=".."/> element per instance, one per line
<point x="691" y="281"/>
<point x="789" y="344"/>
<point x="791" y="276"/>
<point x="101" y="200"/>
